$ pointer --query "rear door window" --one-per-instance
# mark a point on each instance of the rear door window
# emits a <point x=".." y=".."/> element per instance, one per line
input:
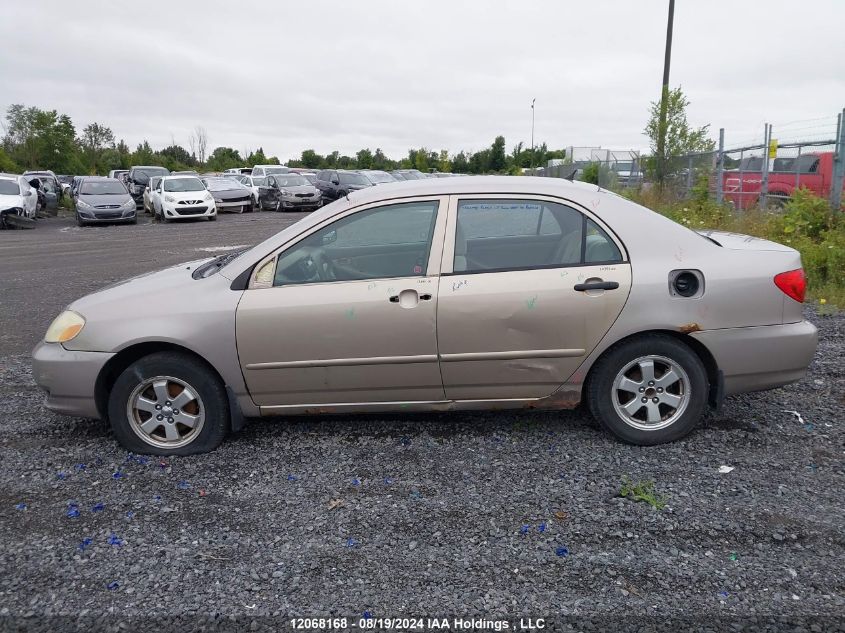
<point x="499" y="235"/>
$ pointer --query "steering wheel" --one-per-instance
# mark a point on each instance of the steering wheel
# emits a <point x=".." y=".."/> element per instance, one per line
<point x="314" y="266"/>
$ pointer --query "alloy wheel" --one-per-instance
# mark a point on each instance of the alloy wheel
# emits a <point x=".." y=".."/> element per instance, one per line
<point x="165" y="412"/>
<point x="651" y="392"/>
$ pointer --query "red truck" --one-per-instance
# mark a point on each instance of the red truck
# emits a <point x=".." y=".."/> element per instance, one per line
<point x="814" y="171"/>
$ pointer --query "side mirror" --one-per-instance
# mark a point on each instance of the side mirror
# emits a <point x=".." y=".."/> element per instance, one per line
<point x="330" y="237"/>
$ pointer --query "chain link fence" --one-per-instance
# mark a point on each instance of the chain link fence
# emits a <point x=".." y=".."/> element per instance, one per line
<point x="762" y="171"/>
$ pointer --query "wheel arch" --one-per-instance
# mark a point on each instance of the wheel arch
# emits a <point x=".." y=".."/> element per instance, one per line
<point x="125" y="357"/>
<point x="714" y="375"/>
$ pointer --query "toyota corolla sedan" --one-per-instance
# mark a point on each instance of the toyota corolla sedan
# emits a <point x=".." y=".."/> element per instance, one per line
<point x="433" y="295"/>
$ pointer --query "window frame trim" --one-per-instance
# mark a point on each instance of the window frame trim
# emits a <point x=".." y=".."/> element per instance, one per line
<point x="447" y="261"/>
<point x="435" y="252"/>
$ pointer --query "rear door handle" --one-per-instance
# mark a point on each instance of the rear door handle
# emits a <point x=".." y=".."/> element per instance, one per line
<point x="597" y="285"/>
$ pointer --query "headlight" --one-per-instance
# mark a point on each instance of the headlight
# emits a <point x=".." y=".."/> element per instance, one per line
<point x="218" y="200"/>
<point x="129" y="204"/>
<point x="64" y="327"/>
<point x="169" y="199"/>
<point x="208" y="196"/>
<point x="82" y="204"/>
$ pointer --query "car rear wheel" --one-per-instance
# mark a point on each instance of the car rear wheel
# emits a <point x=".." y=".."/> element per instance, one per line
<point x="169" y="404"/>
<point x="648" y="390"/>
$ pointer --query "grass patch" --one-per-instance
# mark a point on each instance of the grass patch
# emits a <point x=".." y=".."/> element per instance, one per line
<point x="641" y="491"/>
<point x="807" y="223"/>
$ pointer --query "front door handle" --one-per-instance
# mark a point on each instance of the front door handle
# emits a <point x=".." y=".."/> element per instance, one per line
<point x="409" y="298"/>
<point x="597" y="285"/>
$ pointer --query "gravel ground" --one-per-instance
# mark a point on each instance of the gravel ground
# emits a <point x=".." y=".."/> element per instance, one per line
<point x="494" y="515"/>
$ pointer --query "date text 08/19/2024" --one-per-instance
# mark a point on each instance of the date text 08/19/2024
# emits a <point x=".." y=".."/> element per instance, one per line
<point x="416" y="624"/>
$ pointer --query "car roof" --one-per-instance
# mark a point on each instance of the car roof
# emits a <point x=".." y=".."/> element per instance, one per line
<point x="177" y="176"/>
<point x="492" y="185"/>
<point x="9" y="176"/>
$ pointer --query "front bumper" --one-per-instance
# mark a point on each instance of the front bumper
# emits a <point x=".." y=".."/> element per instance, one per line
<point x="203" y="210"/>
<point x="100" y="215"/>
<point x="68" y="377"/>
<point x="234" y="205"/>
<point x="763" y="357"/>
<point x="302" y="203"/>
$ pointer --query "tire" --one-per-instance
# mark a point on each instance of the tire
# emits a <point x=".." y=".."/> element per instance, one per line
<point x="627" y="365"/>
<point x="278" y="206"/>
<point x="178" y="379"/>
<point x="79" y="220"/>
<point x="212" y="218"/>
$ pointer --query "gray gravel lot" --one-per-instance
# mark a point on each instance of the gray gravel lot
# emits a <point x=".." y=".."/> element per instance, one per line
<point x="499" y="515"/>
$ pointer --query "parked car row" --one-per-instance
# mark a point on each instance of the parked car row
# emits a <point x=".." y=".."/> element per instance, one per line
<point x="170" y="195"/>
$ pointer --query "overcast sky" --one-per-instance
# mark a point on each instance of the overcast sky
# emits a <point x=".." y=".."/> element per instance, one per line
<point x="441" y="74"/>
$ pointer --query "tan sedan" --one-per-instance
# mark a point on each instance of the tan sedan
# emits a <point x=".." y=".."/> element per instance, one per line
<point x="439" y="294"/>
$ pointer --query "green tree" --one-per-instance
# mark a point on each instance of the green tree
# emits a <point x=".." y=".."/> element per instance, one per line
<point x="223" y="158"/>
<point x="178" y="155"/>
<point x="41" y="139"/>
<point x="95" y="139"/>
<point x="6" y="163"/>
<point x="380" y="161"/>
<point x="311" y="159"/>
<point x="681" y="139"/>
<point x="364" y="159"/>
<point x="143" y="155"/>
<point x="498" y="162"/>
<point x="460" y="163"/>
<point x="257" y="158"/>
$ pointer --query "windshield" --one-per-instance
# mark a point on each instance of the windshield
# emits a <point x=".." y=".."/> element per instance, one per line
<point x="353" y="179"/>
<point x="183" y="184"/>
<point x="110" y="187"/>
<point x="409" y="175"/>
<point x="276" y="170"/>
<point x="9" y="188"/>
<point x="380" y="176"/>
<point x="292" y="180"/>
<point x="259" y="181"/>
<point x="624" y="166"/>
<point x="222" y="184"/>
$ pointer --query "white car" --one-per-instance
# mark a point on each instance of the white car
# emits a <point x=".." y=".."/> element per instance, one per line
<point x="177" y="197"/>
<point x="17" y="197"/>
<point x="253" y="182"/>
<point x="266" y="170"/>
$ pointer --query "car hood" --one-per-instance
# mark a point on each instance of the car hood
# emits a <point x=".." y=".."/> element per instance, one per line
<point x="740" y="242"/>
<point x="186" y="195"/>
<point x="138" y="287"/>
<point x="9" y="201"/>
<point x="101" y="200"/>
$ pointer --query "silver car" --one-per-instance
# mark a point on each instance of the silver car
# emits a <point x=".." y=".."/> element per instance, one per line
<point x="439" y="294"/>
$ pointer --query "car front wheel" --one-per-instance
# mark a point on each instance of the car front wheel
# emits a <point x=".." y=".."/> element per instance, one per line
<point x="169" y="404"/>
<point x="648" y="390"/>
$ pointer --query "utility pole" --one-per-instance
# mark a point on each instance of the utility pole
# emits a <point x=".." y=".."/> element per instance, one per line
<point x="664" y="100"/>
<point x="532" y="134"/>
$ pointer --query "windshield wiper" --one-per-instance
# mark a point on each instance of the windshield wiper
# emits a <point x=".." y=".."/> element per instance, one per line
<point x="209" y="268"/>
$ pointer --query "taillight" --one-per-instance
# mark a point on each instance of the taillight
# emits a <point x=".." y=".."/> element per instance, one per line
<point x="793" y="284"/>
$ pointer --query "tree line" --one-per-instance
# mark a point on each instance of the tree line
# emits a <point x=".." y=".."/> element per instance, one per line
<point x="45" y="139"/>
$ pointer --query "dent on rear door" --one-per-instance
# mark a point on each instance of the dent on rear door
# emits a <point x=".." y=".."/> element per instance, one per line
<point x="522" y="334"/>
